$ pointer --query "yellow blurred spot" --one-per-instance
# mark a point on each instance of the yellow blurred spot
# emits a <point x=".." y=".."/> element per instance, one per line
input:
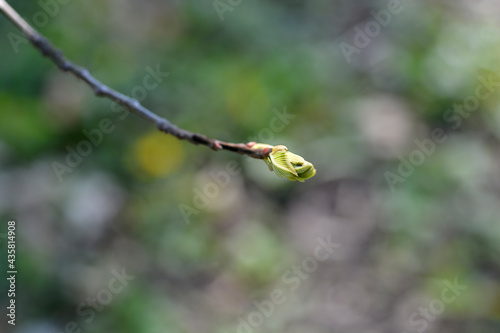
<point x="158" y="154"/>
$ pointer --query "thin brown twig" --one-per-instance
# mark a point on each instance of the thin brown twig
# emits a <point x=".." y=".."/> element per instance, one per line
<point x="102" y="90"/>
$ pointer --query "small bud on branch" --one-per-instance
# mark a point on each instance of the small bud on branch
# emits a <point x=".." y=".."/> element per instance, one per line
<point x="284" y="163"/>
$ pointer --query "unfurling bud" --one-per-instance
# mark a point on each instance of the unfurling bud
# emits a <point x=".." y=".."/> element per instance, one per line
<point x="284" y="163"/>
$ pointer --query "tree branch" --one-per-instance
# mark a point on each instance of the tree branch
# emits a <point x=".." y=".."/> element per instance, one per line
<point x="102" y="90"/>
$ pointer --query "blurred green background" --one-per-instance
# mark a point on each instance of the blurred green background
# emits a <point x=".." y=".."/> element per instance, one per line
<point x="359" y="88"/>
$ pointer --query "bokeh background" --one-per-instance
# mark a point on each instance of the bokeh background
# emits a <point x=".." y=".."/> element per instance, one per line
<point x="202" y="252"/>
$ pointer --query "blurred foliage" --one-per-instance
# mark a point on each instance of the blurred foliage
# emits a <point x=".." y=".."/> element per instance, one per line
<point x="205" y="234"/>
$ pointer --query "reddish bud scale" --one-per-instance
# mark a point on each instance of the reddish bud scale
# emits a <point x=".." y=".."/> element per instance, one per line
<point x="217" y="145"/>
